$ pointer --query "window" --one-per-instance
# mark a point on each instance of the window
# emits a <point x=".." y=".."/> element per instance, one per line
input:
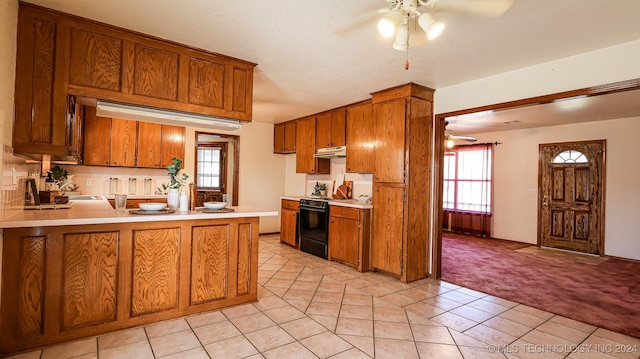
<point x="467" y="179"/>
<point x="211" y="168"/>
<point x="570" y="156"/>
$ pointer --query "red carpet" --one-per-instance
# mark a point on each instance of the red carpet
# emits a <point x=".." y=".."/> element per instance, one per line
<point x="606" y="294"/>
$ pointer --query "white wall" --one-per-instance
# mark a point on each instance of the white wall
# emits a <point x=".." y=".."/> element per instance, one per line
<point x="516" y="174"/>
<point x="611" y="64"/>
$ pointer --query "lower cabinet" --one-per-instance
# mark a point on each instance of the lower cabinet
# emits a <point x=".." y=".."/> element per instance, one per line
<point x="289" y="213"/>
<point x="349" y="236"/>
<point x="68" y="282"/>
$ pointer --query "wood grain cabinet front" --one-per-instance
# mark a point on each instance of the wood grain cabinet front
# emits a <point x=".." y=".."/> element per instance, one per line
<point x="330" y="128"/>
<point x="70" y="282"/>
<point x="349" y="236"/>
<point x="306" y="148"/>
<point x="289" y="213"/>
<point x="360" y="132"/>
<point x="284" y="137"/>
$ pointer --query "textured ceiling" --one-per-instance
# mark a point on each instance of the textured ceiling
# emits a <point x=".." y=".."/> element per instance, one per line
<point x="304" y="67"/>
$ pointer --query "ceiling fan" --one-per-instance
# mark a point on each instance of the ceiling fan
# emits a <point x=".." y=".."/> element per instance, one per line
<point x="450" y="138"/>
<point x="402" y="18"/>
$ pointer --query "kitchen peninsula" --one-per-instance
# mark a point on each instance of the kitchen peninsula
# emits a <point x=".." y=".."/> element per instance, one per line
<point x="88" y="270"/>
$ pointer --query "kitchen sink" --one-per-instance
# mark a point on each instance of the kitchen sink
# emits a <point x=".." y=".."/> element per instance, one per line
<point x="85" y="197"/>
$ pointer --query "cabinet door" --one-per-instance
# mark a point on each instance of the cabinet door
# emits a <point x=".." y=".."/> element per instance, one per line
<point x="206" y="83"/>
<point x="149" y="139"/>
<point x="209" y="263"/>
<point x="155" y="270"/>
<point x="123" y="142"/>
<point x="338" y="119"/>
<point x="344" y="240"/>
<point x="288" y="227"/>
<point x="305" y="143"/>
<point x="172" y="144"/>
<point x="40" y="125"/>
<point x="278" y="138"/>
<point x="387" y="232"/>
<point x="290" y="137"/>
<point x="390" y="137"/>
<point x="97" y="142"/>
<point x="360" y="137"/>
<point x="323" y="130"/>
<point x="89" y="279"/>
<point x="95" y="60"/>
<point x="155" y="72"/>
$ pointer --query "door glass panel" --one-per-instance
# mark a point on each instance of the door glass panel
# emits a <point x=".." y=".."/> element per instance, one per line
<point x="571" y="156"/>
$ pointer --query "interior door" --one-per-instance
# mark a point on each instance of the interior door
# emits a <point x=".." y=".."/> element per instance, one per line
<point x="571" y="187"/>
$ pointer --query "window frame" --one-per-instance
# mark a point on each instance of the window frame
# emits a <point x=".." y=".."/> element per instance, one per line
<point x="455" y="181"/>
<point x="223" y="166"/>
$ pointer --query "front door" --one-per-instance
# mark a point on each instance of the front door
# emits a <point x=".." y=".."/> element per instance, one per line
<point x="570" y="210"/>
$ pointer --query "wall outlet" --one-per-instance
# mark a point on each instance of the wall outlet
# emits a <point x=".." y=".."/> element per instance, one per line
<point x="88" y="182"/>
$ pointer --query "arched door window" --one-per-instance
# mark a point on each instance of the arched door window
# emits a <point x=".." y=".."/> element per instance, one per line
<point x="570" y="156"/>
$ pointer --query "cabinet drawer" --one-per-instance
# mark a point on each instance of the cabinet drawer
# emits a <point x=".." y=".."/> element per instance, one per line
<point x="289" y="204"/>
<point x="344" y="212"/>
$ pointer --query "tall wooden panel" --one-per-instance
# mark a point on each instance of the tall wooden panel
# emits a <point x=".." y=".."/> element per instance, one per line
<point x="278" y="138"/>
<point x="290" y="137"/>
<point x="241" y="90"/>
<point x="210" y="264"/>
<point x="360" y="139"/>
<point x="338" y="123"/>
<point x="172" y="143"/>
<point x="123" y="144"/>
<point x="96" y="60"/>
<point x="388" y="229"/>
<point x="306" y="148"/>
<point x="155" y="270"/>
<point x="323" y="130"/>
<point x="31" y="286"/>
<point x="206" y="83"/>
<point x="97" y="132"/>
<point x="149" y="153"/>
<point x="390" y="135"/>
<point x="155" y="73"/>
<point x="89" y="279"/>
<point x="244" y="258"/>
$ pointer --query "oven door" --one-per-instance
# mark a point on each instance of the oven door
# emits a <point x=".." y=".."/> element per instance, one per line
<point x="313" y="224"/>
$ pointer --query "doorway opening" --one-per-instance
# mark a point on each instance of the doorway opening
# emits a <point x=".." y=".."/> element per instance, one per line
<point x="216" y="167"/>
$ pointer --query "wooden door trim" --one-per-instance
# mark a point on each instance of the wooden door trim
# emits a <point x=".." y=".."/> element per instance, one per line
<point x="603" y="177"/>
<point x="436" y="257"/>
<point x="236" y="160"/>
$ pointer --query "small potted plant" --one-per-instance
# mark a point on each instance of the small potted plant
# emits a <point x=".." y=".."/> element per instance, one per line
<point x="176" y="182"/>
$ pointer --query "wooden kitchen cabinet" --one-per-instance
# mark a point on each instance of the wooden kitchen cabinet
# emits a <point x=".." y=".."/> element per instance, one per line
<point x="123" y="142"/>
<point x="401" y="192"/>
<point x="306" y="148"/>
<point x="61" y="55"/>
<point x="360" y="134"/>
<point x="41" y="125"/>
<point x="149" y="148"/>
<point x="97" y="135"/>
<point x="284" y="137"/>
<point x="330" y="128"/>
<point x="349" y="236"/>
<point x="289" y="213"/>
<point x="70" y="282"/>
<point x="172" y="144"/>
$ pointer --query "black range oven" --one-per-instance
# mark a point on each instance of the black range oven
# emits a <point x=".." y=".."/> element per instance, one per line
<point x="314" y="227"/>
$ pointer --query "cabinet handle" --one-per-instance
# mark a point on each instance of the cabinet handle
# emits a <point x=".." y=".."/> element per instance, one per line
<point x="106" y="162"/>
<point x="343" y="212"/>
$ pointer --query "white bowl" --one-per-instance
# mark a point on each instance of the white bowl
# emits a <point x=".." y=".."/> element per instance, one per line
<point x="364" y="199"/>
<point x="215" y="205"/>
<point x="152" y="206"/>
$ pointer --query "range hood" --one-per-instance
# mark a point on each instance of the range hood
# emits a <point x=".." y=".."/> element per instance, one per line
<point x="331" y="152"/>
<point x="167" y="117"/>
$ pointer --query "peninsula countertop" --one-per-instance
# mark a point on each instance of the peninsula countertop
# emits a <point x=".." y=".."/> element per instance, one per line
<point x="101" y="212"/>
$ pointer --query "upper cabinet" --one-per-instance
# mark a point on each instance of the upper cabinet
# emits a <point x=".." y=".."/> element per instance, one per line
<point x="305" y="140"/>
<point x="60" y="55"/>
<point x="360" y="137"/>
<point x="330" y="128"/>
<point x="284" y="137"/>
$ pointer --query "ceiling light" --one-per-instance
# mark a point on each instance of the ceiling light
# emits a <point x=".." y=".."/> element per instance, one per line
<point x="450" y="143"/>
<point x="430" y="25"/>
<point x="402" y="36"/>
<point x="387" y="25"/>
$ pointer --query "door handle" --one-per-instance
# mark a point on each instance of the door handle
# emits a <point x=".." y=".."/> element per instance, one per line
<point x="545" y="200"/>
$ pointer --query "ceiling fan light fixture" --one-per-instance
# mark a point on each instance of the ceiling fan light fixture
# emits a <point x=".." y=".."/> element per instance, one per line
<point x="388" y="24"/>
<point x="430" y="25"/>
<point x="401" y="42"/>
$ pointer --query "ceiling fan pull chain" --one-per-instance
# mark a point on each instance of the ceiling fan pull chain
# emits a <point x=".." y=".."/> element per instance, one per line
<point x="406" y="61"/>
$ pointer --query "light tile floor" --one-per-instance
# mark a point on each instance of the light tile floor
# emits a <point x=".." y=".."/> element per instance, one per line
<point x="311" y="308"/>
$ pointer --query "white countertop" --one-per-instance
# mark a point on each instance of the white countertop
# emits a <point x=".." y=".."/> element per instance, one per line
<point x="101" y="212"/>
<point x="354" y="203"/>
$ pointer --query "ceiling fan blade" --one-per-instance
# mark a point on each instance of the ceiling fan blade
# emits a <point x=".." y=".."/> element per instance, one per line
<point x="480" y="7"/>
<point x="361" y="21"/>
